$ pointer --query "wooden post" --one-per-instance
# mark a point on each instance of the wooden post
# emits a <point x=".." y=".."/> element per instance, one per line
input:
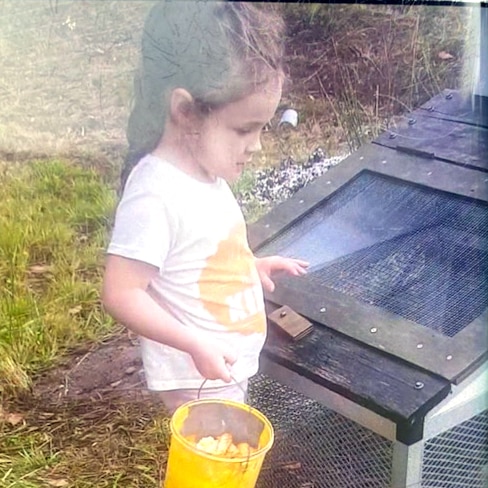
<point x="482" y="86"/>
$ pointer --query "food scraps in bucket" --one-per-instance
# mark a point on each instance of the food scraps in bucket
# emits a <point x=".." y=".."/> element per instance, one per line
<point x="222" y="445"/>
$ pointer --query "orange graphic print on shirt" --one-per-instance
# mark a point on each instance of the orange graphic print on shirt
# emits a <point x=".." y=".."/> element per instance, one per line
<point x="230" y="289"/>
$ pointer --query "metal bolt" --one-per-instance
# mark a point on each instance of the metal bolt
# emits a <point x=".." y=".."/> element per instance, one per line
<point x="429" y="173"/>
<point x="419" y="385"/>
<point x="283" y="313"/>
<point x="384" y="161"/>
<point x="300" y="201"/>
<point x="430" y="108"/>
<point x="392" y="135"/>
<point x="323" y="309"/>
<point x="267" y="226"/>
<point x="449" y="96"/>
<point x="449" y="357"/>
<point x="361" y="158"/>
<point x="420" y="346"/>
<point x="412" y="121"/>
<point x="373" y="330"/>
<point x="328" y="182"/>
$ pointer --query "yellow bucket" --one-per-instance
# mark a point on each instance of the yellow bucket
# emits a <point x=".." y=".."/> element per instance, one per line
<point x="189" y="467"/>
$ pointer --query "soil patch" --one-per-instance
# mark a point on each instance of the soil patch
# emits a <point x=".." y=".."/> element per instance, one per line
<point x="112" y="367"/>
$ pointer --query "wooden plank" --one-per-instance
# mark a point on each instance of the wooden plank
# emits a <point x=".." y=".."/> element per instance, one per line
<point x="350" y="316"/>
<point x="453" y="142"/>
<point x="293" y="325"/>
<point x="368" y="377"/>
<point x="452" y="358"/>
<point x="455" y="106"/>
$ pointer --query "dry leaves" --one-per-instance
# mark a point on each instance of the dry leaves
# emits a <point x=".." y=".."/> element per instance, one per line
<point x="11" y="418"/>
<point x="445" y="56"/>
<point x="58" y="483"/>
<point x="40" y="269"/>
<point x="75" y="310"/>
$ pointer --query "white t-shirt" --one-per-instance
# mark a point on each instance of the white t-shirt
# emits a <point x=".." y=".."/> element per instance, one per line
<point x="194" y="232"/>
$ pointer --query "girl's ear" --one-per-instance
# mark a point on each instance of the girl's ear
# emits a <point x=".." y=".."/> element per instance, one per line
<point x="182" y="108"/>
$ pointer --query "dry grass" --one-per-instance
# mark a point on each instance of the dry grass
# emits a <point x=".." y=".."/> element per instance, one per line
<point x="103" y="442"/>
<point x="66" y="79"/>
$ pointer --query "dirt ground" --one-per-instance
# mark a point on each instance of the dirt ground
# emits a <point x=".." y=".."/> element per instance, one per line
<point x="112" y="367"/>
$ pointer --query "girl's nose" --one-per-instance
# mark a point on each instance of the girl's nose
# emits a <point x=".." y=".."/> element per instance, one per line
<point x="255" y="146"/>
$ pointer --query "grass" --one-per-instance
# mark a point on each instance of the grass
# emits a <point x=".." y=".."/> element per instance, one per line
<point x="108" y="443"/>
<point x="361" y="66"/>
<point x="54" y="218"/>
<point x="347" y="85"/>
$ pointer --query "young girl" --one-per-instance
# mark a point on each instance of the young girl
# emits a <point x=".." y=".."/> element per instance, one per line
<point x="179" y="271"/>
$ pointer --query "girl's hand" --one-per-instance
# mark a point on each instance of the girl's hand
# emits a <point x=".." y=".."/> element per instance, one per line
<point x="213" y="358"/>
<point x="272" y="264"/>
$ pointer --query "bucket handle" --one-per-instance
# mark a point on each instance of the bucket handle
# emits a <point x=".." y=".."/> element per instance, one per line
<point x="250" y="409"/>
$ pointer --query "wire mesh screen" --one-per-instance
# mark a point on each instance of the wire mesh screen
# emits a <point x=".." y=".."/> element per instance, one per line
<point x="412" y="250"/>
<point x="458" y="458"/>
<point x="316" y="447"/>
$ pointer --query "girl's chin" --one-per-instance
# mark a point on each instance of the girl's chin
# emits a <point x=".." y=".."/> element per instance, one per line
<point x="239" y="170"/>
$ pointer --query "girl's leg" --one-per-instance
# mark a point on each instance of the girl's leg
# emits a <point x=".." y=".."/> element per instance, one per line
<point x="172" y="399"/>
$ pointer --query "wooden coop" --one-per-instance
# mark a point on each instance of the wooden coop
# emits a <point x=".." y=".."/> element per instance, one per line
<point x="389" y="387"/>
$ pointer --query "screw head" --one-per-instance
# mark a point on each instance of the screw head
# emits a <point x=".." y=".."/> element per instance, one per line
<point x="323" y="309"/>
<point x="448" y="357"/>
<point x="283" y="313"/>
<point x="373" y="330"/>
<point x="392" y="135"/>
<point x="420" y="346"/>
<point x="449" y="96"/>
<point x="412" y="121"/>
<point x="419" y="385"/>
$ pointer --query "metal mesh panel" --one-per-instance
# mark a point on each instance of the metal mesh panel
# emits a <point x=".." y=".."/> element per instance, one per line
<point x="458" y="458"/>
<point x="415" y="251"/>
<point x="316" y="447"/>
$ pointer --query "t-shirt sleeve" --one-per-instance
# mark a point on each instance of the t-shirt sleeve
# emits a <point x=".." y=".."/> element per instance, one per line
<point x="143" y="227"/>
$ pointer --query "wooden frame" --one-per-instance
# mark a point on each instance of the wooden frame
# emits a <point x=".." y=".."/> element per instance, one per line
<point x="449" y="357"/>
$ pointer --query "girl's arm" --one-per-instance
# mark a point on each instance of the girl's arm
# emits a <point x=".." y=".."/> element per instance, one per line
<point x="272" y="264"/>
<point x="125" y="298"/>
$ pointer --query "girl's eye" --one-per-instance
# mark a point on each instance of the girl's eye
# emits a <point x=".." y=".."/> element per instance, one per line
<point x="243" y="132"/>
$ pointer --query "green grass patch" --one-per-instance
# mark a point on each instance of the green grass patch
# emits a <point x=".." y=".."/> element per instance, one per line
<point x="54" y="218"/>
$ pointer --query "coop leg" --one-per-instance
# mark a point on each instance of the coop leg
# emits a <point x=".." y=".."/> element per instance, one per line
<point x="407" y="465"/>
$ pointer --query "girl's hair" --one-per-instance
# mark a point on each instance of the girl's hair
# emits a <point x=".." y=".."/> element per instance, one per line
<point x="218" y="51"/>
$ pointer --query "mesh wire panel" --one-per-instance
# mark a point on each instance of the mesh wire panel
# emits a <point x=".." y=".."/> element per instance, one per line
<point x="415" y="251"/>
<point x="316" y="447"/>
<point x="458" y="458"/>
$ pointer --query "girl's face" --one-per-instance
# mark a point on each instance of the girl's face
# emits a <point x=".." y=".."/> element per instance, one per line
<point x="230" y="135"/>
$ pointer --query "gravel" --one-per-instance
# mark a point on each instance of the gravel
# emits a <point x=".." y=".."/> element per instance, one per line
<point x="276" y="184"/>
